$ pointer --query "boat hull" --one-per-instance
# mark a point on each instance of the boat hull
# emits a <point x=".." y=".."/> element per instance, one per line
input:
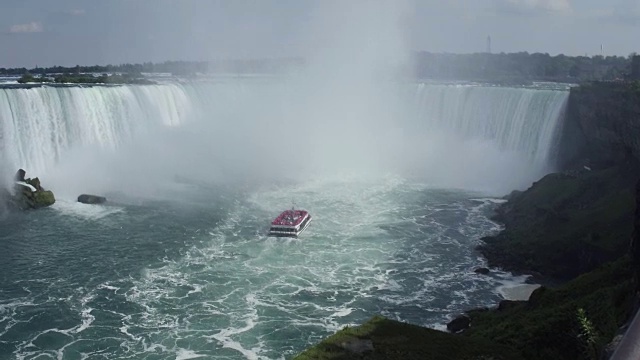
<point x="276" y="233"/>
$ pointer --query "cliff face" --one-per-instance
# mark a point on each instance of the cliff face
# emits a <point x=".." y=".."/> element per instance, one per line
<point x="570" y="223"/>
<point x="602" y="125"/>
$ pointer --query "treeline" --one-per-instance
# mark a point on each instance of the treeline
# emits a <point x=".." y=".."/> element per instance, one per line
<point x="505" y="68"/>
<point x="85" y="79"/>
<point x="171" y="67"/>
<point x="522" y="66"/>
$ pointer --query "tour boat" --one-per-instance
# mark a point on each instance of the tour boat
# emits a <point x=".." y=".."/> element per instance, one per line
<point x="290" y="223"/>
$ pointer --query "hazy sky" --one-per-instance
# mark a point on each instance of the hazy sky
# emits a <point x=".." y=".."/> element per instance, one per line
<point x="69" y="32"/>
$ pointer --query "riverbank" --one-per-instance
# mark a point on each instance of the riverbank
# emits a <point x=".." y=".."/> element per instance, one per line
<point x="571" y="229"/>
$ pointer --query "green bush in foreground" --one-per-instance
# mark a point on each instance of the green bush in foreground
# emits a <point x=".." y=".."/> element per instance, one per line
<point x="574" y="321"/>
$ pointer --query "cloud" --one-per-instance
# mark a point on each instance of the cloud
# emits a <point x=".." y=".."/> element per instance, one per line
<point x="32" y="27"/>
<point x="625" y="14"/>
<point x="76" y="12"/>
<point x="529" y="6"/>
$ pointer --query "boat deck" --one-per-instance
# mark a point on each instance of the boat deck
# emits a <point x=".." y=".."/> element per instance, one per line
<point x="290" y="218"/>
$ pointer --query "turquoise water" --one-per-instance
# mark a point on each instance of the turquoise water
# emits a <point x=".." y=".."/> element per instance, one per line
<point x="177" y="265"/>
<point x="193" y="275"/>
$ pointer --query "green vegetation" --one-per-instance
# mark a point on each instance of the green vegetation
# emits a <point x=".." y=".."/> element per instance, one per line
<point x="522" y="67"/>
<point x="86" y="79"/>
<point x="43" y="198"/>
<point x="514" y="68"/>
<point x="566" y="225"/>
<point x="588" y="336"/>
<point x="574" y="321"/>
<point x="395" y="340"/>
<point x="182" y="68"/>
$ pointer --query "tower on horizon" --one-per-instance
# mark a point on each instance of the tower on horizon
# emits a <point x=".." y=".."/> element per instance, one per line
<point x="489" y="44"/>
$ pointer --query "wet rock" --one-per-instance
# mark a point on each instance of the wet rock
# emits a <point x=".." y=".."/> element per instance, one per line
<point x="482" y="271"/>
<point x="28" y="194"/>
<point x="20" y="175"/>
<point x="459" y="324"/>
<point x="91" y="199"/>
<point x="508" y="304"/>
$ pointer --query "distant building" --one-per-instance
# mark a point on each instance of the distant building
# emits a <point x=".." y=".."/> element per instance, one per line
<point x="489" y="44"/>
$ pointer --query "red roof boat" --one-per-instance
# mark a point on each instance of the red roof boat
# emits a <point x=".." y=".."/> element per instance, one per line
<point x="290" y="223"/>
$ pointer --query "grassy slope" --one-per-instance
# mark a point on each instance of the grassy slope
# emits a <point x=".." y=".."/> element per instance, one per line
<point x="397" y="340"/>
<point x="546" y="327"/>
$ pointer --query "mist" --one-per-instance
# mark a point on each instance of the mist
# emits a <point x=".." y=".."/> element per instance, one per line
<point x="351" y="110"/>
<point x="338" y="114"/>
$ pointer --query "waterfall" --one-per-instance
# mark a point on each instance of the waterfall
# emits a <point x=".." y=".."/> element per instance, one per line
<point x="250" y="122"/>
<point x="515" y="119"/>
<point x="38" y="124"/>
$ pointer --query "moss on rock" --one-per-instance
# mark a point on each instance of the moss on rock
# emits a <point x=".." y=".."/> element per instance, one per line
<point x="43" y="198"/>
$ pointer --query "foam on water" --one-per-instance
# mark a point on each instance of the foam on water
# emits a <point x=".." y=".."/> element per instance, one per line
<point x="377" y="246"/>
<point x="85" y="211"/>
<point x="184" y="269"/>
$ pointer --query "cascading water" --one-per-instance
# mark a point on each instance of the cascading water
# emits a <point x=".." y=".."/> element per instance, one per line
<point x="438" y="123"/>
<point x="189" y="271"/>
<point x="520" y="120"/>
<point x="488" y="138"/>
<point x="39" y="124"/>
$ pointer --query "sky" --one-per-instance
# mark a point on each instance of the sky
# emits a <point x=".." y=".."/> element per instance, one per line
<point x="88" y="32"/>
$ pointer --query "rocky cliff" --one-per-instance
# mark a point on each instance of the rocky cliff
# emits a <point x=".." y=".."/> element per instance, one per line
<point x="573" y="221"/>
<point x="602" y="125"/>
<point x="26" y="194"/>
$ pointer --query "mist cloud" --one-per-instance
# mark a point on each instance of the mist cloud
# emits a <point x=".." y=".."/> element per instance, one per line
<point x="531" y="6"/>
<point x="32" y="27"/>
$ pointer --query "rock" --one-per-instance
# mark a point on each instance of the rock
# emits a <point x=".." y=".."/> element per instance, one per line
<point x="512" y="194"/>
<point x="536" y="295"/>
<point x="28" y="194"/>
<point x="35" y="182"/>
<point x="357" y="346"/>
<point x="482" y="271"/>
<point x="612" y="346"/>
<point x="91" y="199"/>
<point x="549" y="228"/>
<point x="459" y="324"/>
<point x="20" y="175"/>
<point x="508" y="304"/>
<point x="43" y="198"/>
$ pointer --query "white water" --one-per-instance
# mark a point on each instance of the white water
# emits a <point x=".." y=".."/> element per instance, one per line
<point x="90" y="139"/>
<point x="195" y="276"/>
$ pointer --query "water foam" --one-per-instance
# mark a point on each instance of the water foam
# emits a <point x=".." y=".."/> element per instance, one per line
<point x="456" y="135"/>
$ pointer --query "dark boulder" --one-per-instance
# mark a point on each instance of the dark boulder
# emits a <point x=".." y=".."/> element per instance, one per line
<point x="35" y="182"/>
<point x="91" y="199"/>
<point x="508" y="304"/>
<point x="482" y="271"/>
<point x="459" y="324"/>
<point x="20" y="175"/>
<point x="28" y="194"/>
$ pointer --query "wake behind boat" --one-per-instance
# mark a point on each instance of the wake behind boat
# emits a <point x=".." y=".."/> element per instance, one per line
<point x="290" y="223"/>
